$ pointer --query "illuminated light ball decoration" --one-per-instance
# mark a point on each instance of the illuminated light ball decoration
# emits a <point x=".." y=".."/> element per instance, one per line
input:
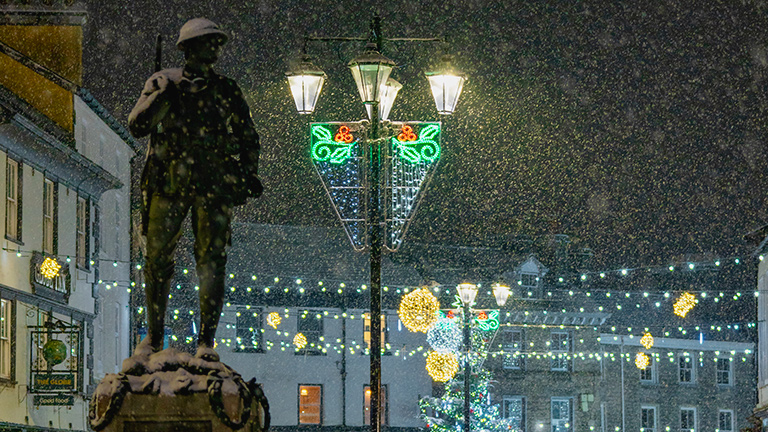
<point x="418" y="310"/>
<point x="647" y="340"/>
<point x="442" y="366"/>
<point x="50" y="268"/>
<point x="642" y="360"/>
<point x="685" y="303"/>
<point x="444" y="336"/>
<point x="300" y="341"/>
<point x="273" y="319"/>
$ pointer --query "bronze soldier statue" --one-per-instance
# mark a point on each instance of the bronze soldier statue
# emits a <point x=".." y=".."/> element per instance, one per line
<point x="203" y="155"/>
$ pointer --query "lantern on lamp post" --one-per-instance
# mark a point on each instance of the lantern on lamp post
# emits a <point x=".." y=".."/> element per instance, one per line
<point x="370" y="71"/>
<point x="446" y="83"/>
<point x="467" y="294"/>
<point x="306" y="81"/>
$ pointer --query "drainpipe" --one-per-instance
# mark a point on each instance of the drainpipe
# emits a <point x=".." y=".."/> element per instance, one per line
<point x="623" y="412"/>
<point x="343" y="369"/>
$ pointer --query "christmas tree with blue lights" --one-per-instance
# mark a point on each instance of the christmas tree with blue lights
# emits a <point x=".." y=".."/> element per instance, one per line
<point x="446" y="413"/>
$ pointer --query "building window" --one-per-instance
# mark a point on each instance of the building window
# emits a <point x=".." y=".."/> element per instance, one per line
<point x="512" y="345"/>
<point x="310" y="324"/>
<point x="49" y="217"/>
<point x="82" y="232"/>
<point x="5" y="339"/>
<point x="13" y="199"/>
<point x="687" y="419"/>
<point x="248" y="327"/>
<point x="648" y="375"/>
<point x="382" y="404"/>
<point x="514" y="411"/>
<point x="310" y="404"/>
<point x="562" y="414"/>
<point x="367" y="330"/>
<point x="648" y="419"/>
<point x="529" y="280"/>
<point x="685" y="367"/>
<point x="725" y="421"/>
<point x="723" y="367"/>
<point x="560" y="346"/>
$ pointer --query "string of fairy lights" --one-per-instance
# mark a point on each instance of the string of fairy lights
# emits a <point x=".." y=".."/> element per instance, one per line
<point x="419" y="311"/>
<point x="561" y="284"/>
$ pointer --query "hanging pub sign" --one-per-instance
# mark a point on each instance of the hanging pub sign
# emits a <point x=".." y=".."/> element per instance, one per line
<point x="55" y="354"/>
<point x="49" y="277"/>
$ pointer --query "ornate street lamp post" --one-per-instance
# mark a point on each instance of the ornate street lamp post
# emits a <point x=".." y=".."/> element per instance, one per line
<point x="377" y="91"/>
<point x="467" y="293"/>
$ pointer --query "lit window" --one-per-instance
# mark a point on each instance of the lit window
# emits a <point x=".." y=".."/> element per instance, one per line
<point x="687" y="419"/>
<point x="512" y="345"/>
<point x="648" y="419"/>
<point x="367" y="331"/>
<point x="723" y="366"/>
<point x="5" y="338"/>
<point x="13" y="199"/>
<point x="514" y="411"/>
<point x="310" y="404"/>
<point x="49" y="217"/>
<point x="367" y="405"/>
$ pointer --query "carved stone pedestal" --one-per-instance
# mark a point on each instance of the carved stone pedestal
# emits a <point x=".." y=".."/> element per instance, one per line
<point x="172" y="391"/>
<point x="190" y="413"/>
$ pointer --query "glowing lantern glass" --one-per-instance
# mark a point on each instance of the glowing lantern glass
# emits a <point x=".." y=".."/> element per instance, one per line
<point x="306" y="82"/>
<point x="370" y="71"/>
<point x="387" y="95"/>
<point x="446" y="83"/>
<point x="467" y="293"/>
<point x="501" y="293"/>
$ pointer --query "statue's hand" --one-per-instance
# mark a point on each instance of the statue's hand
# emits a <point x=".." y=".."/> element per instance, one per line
<point x="159" y="83"/>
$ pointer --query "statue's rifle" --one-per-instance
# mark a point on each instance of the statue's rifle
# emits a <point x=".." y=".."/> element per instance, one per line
<point x="151" y="169"/>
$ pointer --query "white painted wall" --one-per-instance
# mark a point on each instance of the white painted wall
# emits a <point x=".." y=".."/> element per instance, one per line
<point x="282" y="371"/>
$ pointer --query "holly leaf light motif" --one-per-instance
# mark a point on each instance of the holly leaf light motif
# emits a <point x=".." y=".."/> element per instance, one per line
<point x="423" y="149"/>
<point x="327" y="149"/>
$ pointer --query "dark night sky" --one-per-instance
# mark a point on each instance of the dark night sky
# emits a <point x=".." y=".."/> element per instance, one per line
<point x="638" y="130"/>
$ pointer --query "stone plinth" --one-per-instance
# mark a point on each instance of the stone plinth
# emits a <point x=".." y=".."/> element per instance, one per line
<point x="172" y="391"/>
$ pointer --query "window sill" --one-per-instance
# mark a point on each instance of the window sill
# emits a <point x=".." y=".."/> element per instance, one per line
<point x="310" y="353"/>
<point x="7" y="382"/>
<point x="14" y="240"/>
<point x="248" y="350"/>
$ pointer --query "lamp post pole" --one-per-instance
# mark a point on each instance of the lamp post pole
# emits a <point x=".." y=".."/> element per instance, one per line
<point x="375" y="230"/>
<point x="467" y="366"/>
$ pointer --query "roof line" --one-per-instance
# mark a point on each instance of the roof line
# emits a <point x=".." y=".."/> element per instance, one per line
<point x="73" y="88"/>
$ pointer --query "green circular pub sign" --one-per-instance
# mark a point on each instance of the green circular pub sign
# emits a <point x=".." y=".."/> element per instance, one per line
<point x="54" y="352"/>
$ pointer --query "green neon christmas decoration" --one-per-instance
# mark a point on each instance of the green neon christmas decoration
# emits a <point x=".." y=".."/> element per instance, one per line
<point x="414" y="148"/>
<point x="336" y="149"/>
<point x="489" y="323"/>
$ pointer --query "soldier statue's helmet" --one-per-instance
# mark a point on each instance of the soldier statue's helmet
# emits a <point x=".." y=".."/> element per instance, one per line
<point x="197" y="27"/>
